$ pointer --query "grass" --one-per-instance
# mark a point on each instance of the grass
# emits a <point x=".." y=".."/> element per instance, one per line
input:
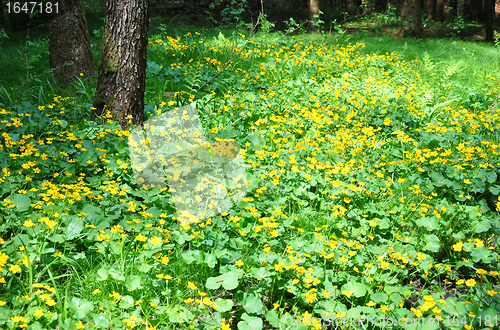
<point x="372" y="179"/>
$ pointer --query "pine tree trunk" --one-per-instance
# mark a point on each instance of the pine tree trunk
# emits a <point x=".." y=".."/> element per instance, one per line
<point x="122" y="68"/>
<point x="313" y="15"/>
<point x="438" y="14"/>
<point x="69" y="44"/>
<point x="411" y="18"/>
<point x="489" y="8"/>
<point x="476" y="9"/>
<point x="430" y="8"/>
<point x="353" y="6"/>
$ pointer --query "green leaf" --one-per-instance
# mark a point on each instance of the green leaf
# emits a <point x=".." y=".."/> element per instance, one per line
<point x="261" y="272"/>
<point x="358" y="289"/>
<point x="210" y="260"/>
<point x="133" y="282"/>
<point x="491" y="177"/>
<point x="252" y="304"/>
<point x="430" y="223"/>
<point x="127" y="302"/>
<point x="432" y="243"/>
<point x="250" y="323"/>
<point x="144" y="267"/>
<point x="228" y="281"/>
<point x="79" y="307"/>
<point x="482" y="253"/>
<point x="272" y="318"/>
<point x="223" y="305"/>
<point x="102" y="274"/>
<point x="481" y="226"/>
<point x="74" y="229"/>
<point x="100" y="321"/>
<point x="22" y="202"/>
<point x="116" y="273"/>
<point x="379" y="297"/>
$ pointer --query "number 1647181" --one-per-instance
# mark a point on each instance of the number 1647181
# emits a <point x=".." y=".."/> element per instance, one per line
<point x="32" y="7"/>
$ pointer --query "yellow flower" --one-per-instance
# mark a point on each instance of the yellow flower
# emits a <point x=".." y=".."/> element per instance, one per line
<point x="164" y="260"/>
<point x="192" y="286"/>
<point x="29" y="224"/>
<point x="96" y="291"/>
<point x="492" y="292"/>
<point x="239" y="263"/>
<point x="470" y="282"/>
<point x="79" y="325"/>
<point x="343" y="259"/>
<point x="348" y="294"/>
<point x="458" y="247"/>
<point x="15" y="269"/>
<point x="38" y="313"/>
<point x="155" y="240"/>
<point x="371" y="304"/>
<point x="225" y="326"/>
<point x="141" y="238"/>
<point x="189" y="300"/>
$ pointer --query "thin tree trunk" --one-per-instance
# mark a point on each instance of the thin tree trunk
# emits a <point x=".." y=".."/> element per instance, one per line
<point x="454" y="8"/>
<point x="430" y="8"/>
<point x="122" y="68"/>
<point x="353" y="6"/>
<point x="313" y="15"/>
<point x="438" y="14"/>
<point x="411" y="18"/>
<point x="476" y="10"/>
<point x="489" y="9"/>
<point x="1" y="13"/>
<point x="69" y="44"/>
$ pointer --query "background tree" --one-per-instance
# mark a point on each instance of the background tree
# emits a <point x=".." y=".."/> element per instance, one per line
<point x="489" y="8"/>
<point x="476" y="9"/>
<point x="313" y="15"/>
<point x="122" y="68"/>
<point x="353" y="6"/>
<point x="411" y="18"/>
<point x="430" y="8"/>
<point x="438" y="14"/>
<point x="69" y="45"/>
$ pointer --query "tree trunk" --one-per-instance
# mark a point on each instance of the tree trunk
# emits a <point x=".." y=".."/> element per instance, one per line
<point x="438" y="14"/>
<point x="313" y="15"/>
<point x="1" y="13"/>
<point x="489" y="8"/>
<point x="453" y="7"/>
<point x="430" y="8"/>
<point x="353" y="6"/>
<point x="122" y="68"/>
<point x="69" y="45"/>
<point x="411" y="18"/>
<point x="380" y="5"/>
<point x="476" y="10"/>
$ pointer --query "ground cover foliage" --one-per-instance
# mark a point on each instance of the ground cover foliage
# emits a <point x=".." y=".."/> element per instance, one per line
<point x="373" y="183"/>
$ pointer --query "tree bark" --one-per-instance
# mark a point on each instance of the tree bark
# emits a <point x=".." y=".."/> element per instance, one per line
<point x="1" y="13"/>
<point x="411" y="18"/>
<point x="313" y="15"/>
<point x="122" y="68"/>
<point x="438" y="14"/>
<point x="489" y="8"/>
<point x="69" y="44"/>
<point x="353" y="6"/>
<point x="380" y="5"/>
<point x="430" y="8"/>
<point x="454" y="8"/>
<point x="476" y="10"/>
